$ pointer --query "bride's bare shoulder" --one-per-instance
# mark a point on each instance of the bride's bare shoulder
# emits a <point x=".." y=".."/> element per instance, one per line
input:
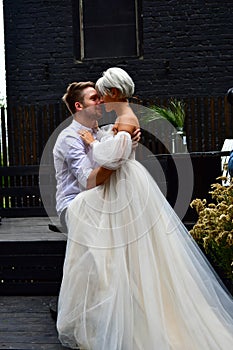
<point x="127" y="122"/>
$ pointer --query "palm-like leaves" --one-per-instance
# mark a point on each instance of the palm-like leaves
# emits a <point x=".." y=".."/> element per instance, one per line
<point x="175" y="114"/>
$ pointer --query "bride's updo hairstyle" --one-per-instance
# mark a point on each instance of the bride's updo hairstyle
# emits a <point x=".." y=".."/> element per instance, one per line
<point x="115" y="78"/>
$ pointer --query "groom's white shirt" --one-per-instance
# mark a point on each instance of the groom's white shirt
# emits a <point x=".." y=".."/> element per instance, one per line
<point x="73" y="165"/>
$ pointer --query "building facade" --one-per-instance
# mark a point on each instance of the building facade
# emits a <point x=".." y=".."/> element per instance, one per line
<point x="170" y="48"/>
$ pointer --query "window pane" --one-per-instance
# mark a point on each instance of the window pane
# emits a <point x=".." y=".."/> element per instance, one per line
<point x="108" y="12"/>
<point x="110" y="41"/>
<point x="109" y="28"/>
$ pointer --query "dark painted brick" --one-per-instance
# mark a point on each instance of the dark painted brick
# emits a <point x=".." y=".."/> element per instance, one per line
<point x="187" y="50"/>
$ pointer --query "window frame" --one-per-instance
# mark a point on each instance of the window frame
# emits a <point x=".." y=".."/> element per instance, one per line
<point x="78" y="33"/>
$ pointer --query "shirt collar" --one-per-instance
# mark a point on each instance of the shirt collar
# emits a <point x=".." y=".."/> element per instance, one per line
<point x="80" y="126"/>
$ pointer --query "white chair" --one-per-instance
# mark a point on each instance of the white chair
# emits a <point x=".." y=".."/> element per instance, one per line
<point x="227" y="146"/>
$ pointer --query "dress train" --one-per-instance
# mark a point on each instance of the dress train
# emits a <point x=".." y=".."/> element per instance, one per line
<point x="134" y="279"/>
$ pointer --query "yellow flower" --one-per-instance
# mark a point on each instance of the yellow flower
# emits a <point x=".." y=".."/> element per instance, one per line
<point x="214" y="228"/>
<point x="223" y="217"/>
<point x="229" y="239"/>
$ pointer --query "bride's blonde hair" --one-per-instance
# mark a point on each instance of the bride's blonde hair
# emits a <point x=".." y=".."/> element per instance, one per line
<point x="115" y="78"/>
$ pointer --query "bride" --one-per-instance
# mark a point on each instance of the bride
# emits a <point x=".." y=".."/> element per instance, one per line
<point x="134" y="279"/>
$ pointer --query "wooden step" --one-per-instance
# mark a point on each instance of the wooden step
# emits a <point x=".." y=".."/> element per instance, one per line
<point x="25" y="323"/>
<point x="31" y="257"/>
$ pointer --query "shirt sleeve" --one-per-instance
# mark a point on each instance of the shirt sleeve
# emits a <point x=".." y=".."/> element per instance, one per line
<point x="79" y="161"/>
<point x="112" y="151"/>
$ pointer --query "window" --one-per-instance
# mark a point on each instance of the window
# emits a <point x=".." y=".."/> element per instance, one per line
<point x="105" y="29"/>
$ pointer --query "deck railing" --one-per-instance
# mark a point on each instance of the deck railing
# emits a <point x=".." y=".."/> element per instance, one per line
<point x="25" y="130"/>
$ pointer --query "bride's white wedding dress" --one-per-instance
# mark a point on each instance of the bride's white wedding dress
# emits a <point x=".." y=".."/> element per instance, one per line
<point x="133" y="276"/>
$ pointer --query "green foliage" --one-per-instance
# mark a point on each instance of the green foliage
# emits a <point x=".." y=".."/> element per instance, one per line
<point x="174" y="113"/>
<point x="2" y="101"/>
<point x="214" y="230"/>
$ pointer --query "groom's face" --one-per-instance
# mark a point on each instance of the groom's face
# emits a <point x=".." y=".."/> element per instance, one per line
<point x="92" y="101"/>
<point x="90" y="97"/>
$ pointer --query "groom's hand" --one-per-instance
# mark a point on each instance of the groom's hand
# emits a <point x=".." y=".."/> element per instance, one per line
<point x="136" y="136"/>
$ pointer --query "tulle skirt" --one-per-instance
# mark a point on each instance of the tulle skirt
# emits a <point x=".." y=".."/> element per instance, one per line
<point x="134" y="279"/>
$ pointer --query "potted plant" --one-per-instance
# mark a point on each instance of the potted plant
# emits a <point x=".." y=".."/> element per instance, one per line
<point x="174" y="113"/>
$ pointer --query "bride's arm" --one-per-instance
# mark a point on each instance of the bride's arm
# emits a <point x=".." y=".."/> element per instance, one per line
<point x="100" y="175"/>
<point x="113" y="151"/>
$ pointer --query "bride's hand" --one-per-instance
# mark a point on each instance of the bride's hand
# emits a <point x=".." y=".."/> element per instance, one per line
<point x="86" y="136"/>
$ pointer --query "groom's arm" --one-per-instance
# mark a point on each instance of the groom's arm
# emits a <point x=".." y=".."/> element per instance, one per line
<point x="98" y="176"/>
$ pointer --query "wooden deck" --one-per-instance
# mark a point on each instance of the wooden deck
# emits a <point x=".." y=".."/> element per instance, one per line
<point x="27" y="248"/>
<point x="29" y="229"/>
<point x="25" y="323"/>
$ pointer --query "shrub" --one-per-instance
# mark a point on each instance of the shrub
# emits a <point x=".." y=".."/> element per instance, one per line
<point x="214" y="230"/>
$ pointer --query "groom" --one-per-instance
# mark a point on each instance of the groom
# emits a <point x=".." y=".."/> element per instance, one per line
<point x="75" y="169"/>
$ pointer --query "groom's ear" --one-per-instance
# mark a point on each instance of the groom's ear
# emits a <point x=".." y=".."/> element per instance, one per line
<point x="78" y="106"/>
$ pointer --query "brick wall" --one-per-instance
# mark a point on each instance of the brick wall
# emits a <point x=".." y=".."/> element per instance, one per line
<point x="187" y="50"/>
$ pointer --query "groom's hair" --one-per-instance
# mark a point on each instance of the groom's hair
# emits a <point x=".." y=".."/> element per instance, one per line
<point x="74" y="93"/>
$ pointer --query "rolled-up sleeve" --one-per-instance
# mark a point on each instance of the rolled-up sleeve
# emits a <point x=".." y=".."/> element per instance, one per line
<point x="78" y="160"/>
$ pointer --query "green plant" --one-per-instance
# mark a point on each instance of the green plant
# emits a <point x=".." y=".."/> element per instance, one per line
<point x="2" y="101"/>
<point x="174" y="113"/>
<point x="214" y="230"/>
